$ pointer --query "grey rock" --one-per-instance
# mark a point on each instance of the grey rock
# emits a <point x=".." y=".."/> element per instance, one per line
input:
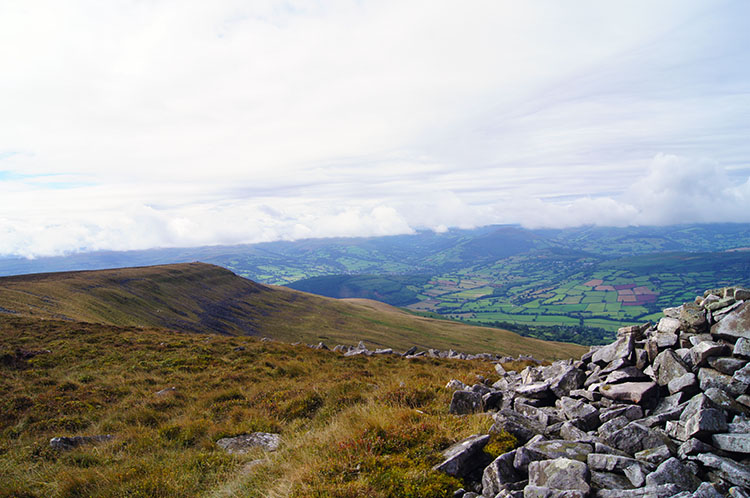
<point x="701" y="418"/>
<point x="668" y="366"/>
<point x="538" y="390"/>
<point x="693" y="318"/>
<point x="239" y="445"/>
<point x="611" y="426"/>
<point x="672" y="471"/>
<point x="571" y="378"/>
<point x="631" y="412"/>
<point x="662" y="491"/>
<point x="493" y="401"/>
<point x="668" y="325"/>
<point x="166" y="392"/>
<point x="726" y="365"/>
<point x="654" y="456"/>
<point x="742" y="376"/>
<point x="622" y="348"/>
<point x="729" y="470"/>
<point x="734" y="325"/>
<point x="465" y="402"/>
<point x="577" y="409"/>
<point x="627" y="374"/>
<point x="456" y="385"/>
<point x="741" y="294"/>
<point x="636" y="474"/>
<point x="516" y="425"/>
<point x="68" y="443"/>
<point x="499" y="473"/>
<point x="726" y="402"/>
<point x="461" y="459"/>
<point x="559" y="448"/>
<point x="666" y="340"/>
<point x="687" y="383"/>
<point x="635" y="437"/>
<point x="412" y="350"/>
<point x="742" y="348"/>
<point x="708" y="378"/>
<point x="609" y="480"/>
<point x="560" y="474"/>
<point x="707" y="490"/>
<point x="570" y="432"/>
<point x="612" y="463"/>
<point x="736" y="492"/>
<point x="382" y="351"/>
<point x="706" y="349"/>
<point x="735" y="443"/>
<point x="633" y="392"/>
<point x="545" y="492"/>
<point x="607" y="450"/>
<point x="692" y="447"/>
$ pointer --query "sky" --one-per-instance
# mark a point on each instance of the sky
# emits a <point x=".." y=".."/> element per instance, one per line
<point x="133" y="124"/>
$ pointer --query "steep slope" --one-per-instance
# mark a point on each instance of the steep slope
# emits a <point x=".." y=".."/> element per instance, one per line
<point x="196" y="297"/>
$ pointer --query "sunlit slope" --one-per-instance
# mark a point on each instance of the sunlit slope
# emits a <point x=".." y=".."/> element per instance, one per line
<point x="197" y="297"/>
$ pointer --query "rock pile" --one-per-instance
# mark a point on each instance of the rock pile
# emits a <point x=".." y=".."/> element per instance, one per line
<point x="413" y="352"/>
<point x="662" y="411"/>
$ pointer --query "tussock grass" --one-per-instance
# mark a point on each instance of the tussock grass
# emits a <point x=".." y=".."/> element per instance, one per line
<point x="349" y="426"/>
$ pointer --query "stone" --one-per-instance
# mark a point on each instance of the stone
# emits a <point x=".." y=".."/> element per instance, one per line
<point x="166" y="392"/>
<point x="741" y="294"/>
<point x="560" y="474"/>
<point x="704" y="350"/>
<point x="493" y="400"/>
<point x="498" y="473"/>
<point x="465" y="402"/>
<point x="735" y="325"/>
<point x="742" y="376"/>
<point x="609" y="480"/>
<point x="68" y="443"/>
<point x="726" y="365"/>
<point x="707" y="490"/>
<point x="614" y="463"/>
<point x="672" y="471"/>
<point x="412" y="350"/>
<point x="462" y="458"/>
<point x="693" y="318"/>
<point x="635" y="437"/>
<point x="668" y="325"/>
<point x="654" y="456"/>
<point x="662" y="491"/>
<point x="708" y="378"/>
<point x="612" y="426"/>
<point x="545" y="492"/>
<point x="736" y="492"/>
<point x="742" y="348"/>
<point x="687" y="383"/>
<point x="559" y="448"/>
<point x="577" y="409"/>
<point x="631" y="412"/>
<point x="627" y="374"/>
<point x="622" y="349"/>
<point x="571" y="378"/>
<point x="668" y="366"/>
<point x="570" y="432"/>
<point x="239" y="445"/>
<point x="729" y="470"/>
<point x="516" y="425"/>
<point x="735" y="443"/>
<point x="692" y="447"/>
<point x="633" y="392"/>
<point x="456" y="385"/>
<point x="701" y="418"/>
<point x="537" y="390"/>
<point x="726" y="402"/>
<point x="666" y="340"/>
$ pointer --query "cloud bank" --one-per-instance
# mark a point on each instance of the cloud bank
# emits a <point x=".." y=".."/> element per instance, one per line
<point x="131" y="125"/>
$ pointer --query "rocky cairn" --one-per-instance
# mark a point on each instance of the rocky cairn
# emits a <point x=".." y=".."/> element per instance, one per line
<point x="662" y="411"/>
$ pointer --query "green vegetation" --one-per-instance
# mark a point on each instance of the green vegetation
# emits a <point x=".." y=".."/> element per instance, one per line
<point x="197" y="297"/>
<point x="349" y="426"/>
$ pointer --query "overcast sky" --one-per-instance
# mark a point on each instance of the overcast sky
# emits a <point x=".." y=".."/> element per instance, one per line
<point x="130" y="124"/>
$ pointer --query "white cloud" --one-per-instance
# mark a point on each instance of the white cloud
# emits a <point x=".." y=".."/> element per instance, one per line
<point x="139" y="124"/>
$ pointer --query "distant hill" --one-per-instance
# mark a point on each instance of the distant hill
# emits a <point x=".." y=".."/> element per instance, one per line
<point x="197" y="297"/>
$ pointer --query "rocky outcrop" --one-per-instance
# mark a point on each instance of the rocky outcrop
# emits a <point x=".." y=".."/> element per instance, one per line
<point x="662" y="411"/>
<point x="242" y="444"/>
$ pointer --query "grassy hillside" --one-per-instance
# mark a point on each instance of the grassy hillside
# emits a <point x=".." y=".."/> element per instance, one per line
<point x="196" y="297"/>
<point x="350" y="426"/>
